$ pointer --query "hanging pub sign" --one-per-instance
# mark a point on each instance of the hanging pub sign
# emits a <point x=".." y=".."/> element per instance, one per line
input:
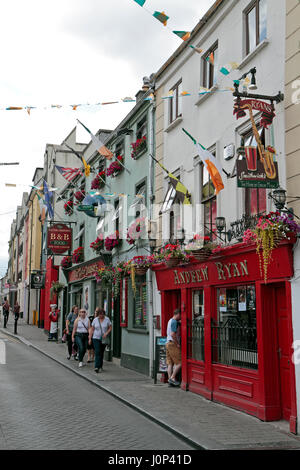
<point x="251" y="172"/>
<point x="37" y="280"/>
<point x="59" y="238"/>
<point x="267" y="110"/>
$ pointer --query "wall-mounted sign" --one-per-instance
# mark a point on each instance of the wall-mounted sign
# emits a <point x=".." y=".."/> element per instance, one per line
<point x="229" y="151"/>
<point x="84" y="272"/>
<point x="37" y="280"/>
<point x="59" y="238"/>
<point x="251" y="173"/>
<point x="267" y="110"/>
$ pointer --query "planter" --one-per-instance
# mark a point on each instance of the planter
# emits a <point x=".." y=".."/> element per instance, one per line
<point x="141" y="270"/>
<point x="172" y="262"/>
<point x="201" y="255"/>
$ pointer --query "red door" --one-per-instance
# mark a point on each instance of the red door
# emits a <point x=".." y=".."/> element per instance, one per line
<point x="284" y="351"/>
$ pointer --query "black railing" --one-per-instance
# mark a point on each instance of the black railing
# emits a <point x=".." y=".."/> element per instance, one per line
<point x="234" y="343"/>
<point x="238" y="227"/>
<point x="195" y="340"/>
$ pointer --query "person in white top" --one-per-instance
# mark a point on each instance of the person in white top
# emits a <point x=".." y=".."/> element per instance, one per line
<point x="101" y="328"/>
<point x="80" y="334"/>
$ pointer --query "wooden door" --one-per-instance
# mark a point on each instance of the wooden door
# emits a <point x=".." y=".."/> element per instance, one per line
<point x="284" y="351"/>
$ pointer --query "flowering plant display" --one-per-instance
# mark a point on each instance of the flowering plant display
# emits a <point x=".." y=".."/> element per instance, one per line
<point x="98" y="244"/>
<point x="141" y="261"/>
<point x="136" y="230"/>
<point x="80" y="195"/>
<point x="198" y="243"/>
<point x="138" y="146"/>
<point x="99" y="181"/>
<point x="124" y="268"/>
<point x="66" y="262"/>
<point x="68" y="207"/>
<point x="172" y="251"/>
<point x="78" y="255"/>
<point x="111" y="241"/>
<point x="115" y="167"/>
<point x="109" y="275"/>
<point x="56" y="287"/>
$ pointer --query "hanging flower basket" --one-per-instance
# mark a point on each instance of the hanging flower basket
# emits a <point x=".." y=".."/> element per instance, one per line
<point x="115" y="168"/>
<point x="112" y="241"/>
<point x="99" y="181"/>
<point x="136" y="230"/>
<point x="78" y="255"/>
<point x="138" y="147"/>
<point x="200" y="249"/>
<point x="98" y="244"/>
<point x="66" y="262"/>
<point x="56" y="287"/>
<point x="80" y="195"/>
<point x="141" y="264"/>
<point x="172" y="255"/>
<point x="68" y="207"/>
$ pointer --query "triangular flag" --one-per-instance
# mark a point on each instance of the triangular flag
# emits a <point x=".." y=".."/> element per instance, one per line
<point x="185" y="93"/>
<point x="161" y="16"/>
<point x="211" y="58"/>
<point x="140" y="2"/>
<point x="197" y="49"/>
<point x="87" y="168"/>
<point x="184" y="35"/>
<point x="99" y="146"/>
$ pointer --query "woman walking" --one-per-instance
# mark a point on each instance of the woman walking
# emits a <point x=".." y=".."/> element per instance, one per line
<point x="80" y="334"/>
<point x="101" y="328"/>
<point x="5" y="309"/>
<point x="90" y="348"/>
<point x="69" y="329"/>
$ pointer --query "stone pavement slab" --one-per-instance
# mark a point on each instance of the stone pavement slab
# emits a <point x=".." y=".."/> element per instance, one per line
<point x="202" y="423"/>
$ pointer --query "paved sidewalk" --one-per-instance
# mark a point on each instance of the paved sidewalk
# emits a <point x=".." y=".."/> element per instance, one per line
<point x="203" y="423"/>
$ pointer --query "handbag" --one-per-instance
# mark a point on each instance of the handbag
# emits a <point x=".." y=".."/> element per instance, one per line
<point x="105" y="340"/>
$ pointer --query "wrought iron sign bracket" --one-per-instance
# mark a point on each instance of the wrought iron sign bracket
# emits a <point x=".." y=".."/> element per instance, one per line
<point x="278" y="98"/>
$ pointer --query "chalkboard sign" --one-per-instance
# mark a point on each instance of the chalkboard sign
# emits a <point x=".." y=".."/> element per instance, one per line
<point x="160" y="356"/>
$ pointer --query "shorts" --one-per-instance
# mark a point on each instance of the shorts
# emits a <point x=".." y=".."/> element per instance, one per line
<point x="173" y="354"/>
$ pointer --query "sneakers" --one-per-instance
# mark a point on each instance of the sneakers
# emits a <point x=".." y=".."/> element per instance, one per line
<point x="80" y="364"/>
<point x="175" y="383"/>
<point x="97" y="370"/>
<point x="68" y="357"/>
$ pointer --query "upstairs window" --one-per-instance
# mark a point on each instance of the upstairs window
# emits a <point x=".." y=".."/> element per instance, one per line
<point x="175" y="103"/>
<point x="210" y="67"/>
<point x="209" y="201"/>
<point x="256" y="24"/>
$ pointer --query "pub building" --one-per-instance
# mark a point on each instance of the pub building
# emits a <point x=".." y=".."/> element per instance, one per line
<point x="236" y="329"/>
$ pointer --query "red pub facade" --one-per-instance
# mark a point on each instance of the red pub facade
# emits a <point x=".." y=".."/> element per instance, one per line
<point x="236" y="329"/>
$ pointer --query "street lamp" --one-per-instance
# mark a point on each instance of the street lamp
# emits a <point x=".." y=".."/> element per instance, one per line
<point x="279" y="198"/>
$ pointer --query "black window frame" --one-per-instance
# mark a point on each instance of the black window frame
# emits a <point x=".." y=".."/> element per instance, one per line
<point x="255" y="4"/>
<point x="175" y="99"/>
<point x="212" y="67"/>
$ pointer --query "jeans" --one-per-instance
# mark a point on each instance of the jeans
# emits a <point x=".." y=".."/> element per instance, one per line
<point x="70" y="344"/>
<point x="5" y="317"/>
<point x="81" y="340"/>
<point x="99" y="352"/>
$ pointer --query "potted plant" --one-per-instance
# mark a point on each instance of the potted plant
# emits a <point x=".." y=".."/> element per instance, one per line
<point x="124" y="268"/>
<point x="136" y="230"/>
<point x="78" y="255"/>
<point x="138" y="147"/>
<point x="66" y="262"/>
<point x="200" y="248"/>
<point x="115" y="167"/>
<point x="68" y="207"/>
<point x="111" y="241"/>
<point x="56" y="287"/>
<point x="109" y="276"/>
<point x="80" y="195"/>
<point x="99" y="181"/>
<point x="98" y="244"/>
<point x="141" y="264"/>
<point x="172" y="255"/>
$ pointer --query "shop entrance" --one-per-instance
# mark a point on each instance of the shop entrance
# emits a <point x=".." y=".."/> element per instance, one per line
<point x="283" y="349"/>
<point x="172" y="301"/>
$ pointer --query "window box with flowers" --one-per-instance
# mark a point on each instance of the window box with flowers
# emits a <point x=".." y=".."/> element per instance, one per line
<point x="136" y="230"/>
<point x="116" y="167"/>
<point x="200" y="248"/>
<point x="172" y="255"/>
<point x="138" y="147"/>
<point x="78" y="255"/>
<point x="112" y="241"/>
<point x="68" y="207"/>
<point x="98" y="244"/>
<point x="99" y="181"/>
<point x="80" y="195"/>
<point x="268" y="233"/>
<point x="66" y="262"/>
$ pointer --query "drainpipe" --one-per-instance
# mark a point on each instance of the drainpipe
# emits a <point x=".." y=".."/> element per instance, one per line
<point x="29" y="285"/>
<point x="150" y="212"/>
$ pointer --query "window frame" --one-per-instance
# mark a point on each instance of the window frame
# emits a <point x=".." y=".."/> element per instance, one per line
<point x="140" y="284"/>
<point x="255" y="4"/>
<point x="209" y="228"/>
<point x="212" y="68"/>
<point x="175" y="99"/>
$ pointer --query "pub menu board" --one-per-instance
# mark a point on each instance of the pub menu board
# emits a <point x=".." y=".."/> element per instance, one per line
<point x="161" y="366"/>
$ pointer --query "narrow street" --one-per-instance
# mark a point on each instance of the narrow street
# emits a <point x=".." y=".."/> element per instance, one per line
<point x="45" y="406"/>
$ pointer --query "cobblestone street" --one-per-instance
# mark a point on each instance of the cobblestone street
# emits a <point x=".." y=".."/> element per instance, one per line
<point x="45" y="406"/>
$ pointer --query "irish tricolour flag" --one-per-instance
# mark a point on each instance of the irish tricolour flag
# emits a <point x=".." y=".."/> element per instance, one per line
<point x="99" y="146"/>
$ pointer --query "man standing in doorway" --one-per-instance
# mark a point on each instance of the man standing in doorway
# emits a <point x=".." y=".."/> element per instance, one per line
<point x="173" y="348"/>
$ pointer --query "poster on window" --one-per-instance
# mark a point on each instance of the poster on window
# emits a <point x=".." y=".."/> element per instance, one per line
<point x="251" y="303"/>
<point x="242" y="299"/>
<point x="223" y="300"/>
<point x="86" y="299"/>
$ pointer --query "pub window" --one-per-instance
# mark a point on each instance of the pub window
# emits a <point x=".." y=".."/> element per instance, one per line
<point x="141" y="130"/>
<point x="139" y="203"/>
<point x="196" y="327"/>
<point x="119" y="149"/>
<point x="210" y="67"/>
<point x="81" y="236"/>
<point x="140" y="303"/>
<point x="209" y="201"/>
<point x="256" y="24"/>
<point x="175" y="102"/>
<point x="234" y="338"/>
<point x="116" y="216"/>
<point x="255" y="198"/>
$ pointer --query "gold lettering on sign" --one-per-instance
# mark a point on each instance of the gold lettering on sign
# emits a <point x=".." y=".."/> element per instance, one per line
<point x="244" y="268"/>
<point x="205" y="273"/>
<point x="221" y="273"/>
<point x="182" y="278"/>
<point x="198" y="274"/>
<point x="176" y="280"/>
<point x="236" y="272"/>
<point x="228" y="269"/>
<point x="187" y="277"/>
<point x="193" y="276"/>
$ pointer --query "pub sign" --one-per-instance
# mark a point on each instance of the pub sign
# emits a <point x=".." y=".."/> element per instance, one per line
<point x="59" y="238"/>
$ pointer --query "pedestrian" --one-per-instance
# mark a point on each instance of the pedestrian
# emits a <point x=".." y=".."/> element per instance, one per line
<point x="90" y="347"/>
<point x="5" y="308"/>
<point x="80" y="334"/>
<point x="173" y="348"/>
<point x="16" y="315"/>
<point x="53" y="315"/>
<point x="99" y="334"/>
<point x="72" y="347"/>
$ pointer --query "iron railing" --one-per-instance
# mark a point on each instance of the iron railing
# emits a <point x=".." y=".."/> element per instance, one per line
<point x="234" y="343"/>
<point x="238" y="227"/>
<point x="195" y="340"/>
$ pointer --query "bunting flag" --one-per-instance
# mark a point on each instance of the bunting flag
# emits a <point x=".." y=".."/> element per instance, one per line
<point x="140" y="2"/>
<point x="161" y="16"/>
<point x="185" y="93"/>
<point x="211" y="58"/>
<point x="211" y="164"/>
<point x="226" y="69"/>
<point x="197" y="49"/>
<point x="181" y="191"/>
<point x="99" y="146"/>
<point x="42" y="207"/>
<point x="170" y="95"/>
<point x="48" y="198"/>
<point x="184" y="35"/>
<point x="68" y="173"/>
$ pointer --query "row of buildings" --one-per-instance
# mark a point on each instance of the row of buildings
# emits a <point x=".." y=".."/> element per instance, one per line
<point x="238" y="328"/>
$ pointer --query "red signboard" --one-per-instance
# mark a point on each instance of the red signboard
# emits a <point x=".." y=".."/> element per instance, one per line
<point x="267" y="110"/>
<point x="84" y="272"/>
<point x="59" y="238"/>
